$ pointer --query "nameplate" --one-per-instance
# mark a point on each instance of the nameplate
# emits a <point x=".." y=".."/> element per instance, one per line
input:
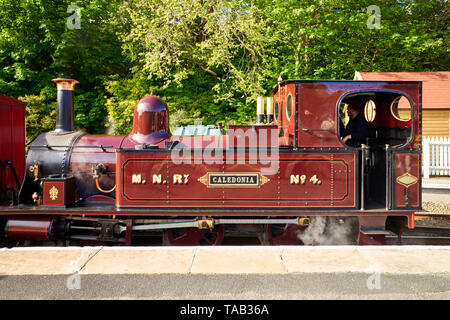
<point x="233" y="180"/>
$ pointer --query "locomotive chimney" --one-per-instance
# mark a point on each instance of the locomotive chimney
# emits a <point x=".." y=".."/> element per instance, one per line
<point x="64" y="109"/>
<point x="260" y="110"/>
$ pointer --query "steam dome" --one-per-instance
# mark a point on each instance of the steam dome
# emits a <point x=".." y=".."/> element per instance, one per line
<point x="151" y="121"/>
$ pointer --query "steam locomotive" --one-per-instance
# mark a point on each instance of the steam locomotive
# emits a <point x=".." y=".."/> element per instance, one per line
<point x="288" y="179"/>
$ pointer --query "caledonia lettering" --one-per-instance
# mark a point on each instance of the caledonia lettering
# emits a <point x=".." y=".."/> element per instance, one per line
<point x="235" y="179"/>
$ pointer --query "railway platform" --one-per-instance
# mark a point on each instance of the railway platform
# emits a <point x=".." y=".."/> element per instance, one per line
<point x="224" y="260"/>
<point x="436" y="182"/>
<point x="249" y="272"/>
<point x="436" y="195"/>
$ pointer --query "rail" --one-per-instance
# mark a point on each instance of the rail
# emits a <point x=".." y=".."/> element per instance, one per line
<point x="422" y="235"/>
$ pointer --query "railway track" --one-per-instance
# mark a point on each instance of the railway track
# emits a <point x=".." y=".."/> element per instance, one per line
<point x="430" y="229"/>
<point x="423" y="235"/>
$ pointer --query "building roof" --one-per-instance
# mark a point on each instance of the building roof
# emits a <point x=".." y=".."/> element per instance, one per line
<point x="435" y="85"/>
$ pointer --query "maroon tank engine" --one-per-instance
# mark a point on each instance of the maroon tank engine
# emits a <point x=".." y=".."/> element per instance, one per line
<point x="291" y="179"/>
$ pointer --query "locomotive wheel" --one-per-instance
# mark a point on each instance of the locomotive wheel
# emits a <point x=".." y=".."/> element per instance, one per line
<point x="284" y="234"/>
<point x="193" y="236"/>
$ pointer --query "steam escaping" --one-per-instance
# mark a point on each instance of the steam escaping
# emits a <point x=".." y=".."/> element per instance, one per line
<point x="331" y="231"/>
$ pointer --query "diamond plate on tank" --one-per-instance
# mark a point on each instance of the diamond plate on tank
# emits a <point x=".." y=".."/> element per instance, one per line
<point x="407" y="180"/>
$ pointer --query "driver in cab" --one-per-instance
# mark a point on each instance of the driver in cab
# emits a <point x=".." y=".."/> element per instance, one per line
<point x="356" y="130"/>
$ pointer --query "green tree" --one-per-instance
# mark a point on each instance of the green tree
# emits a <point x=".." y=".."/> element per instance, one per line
<point x="216" y="57"/>
<point x="40" y="116"/>
<point x="331" y="39"/>
<point x="207" y="59"/>
<point x="206" y="56"/>
<point x="36" y="45"/>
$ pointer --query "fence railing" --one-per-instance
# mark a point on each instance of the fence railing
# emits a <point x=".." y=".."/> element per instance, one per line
<point x="436" y="156"/>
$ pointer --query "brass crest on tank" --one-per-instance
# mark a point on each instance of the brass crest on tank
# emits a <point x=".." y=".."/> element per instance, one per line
<point x="53" y="192"/>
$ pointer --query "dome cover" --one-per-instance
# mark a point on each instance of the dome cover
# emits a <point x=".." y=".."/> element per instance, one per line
<point x="151" y="121"/>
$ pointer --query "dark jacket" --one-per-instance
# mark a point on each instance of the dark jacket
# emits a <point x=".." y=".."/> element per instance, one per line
<point x="357" y="128"/>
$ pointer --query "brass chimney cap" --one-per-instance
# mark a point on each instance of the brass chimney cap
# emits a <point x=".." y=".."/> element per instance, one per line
<point x="65" y="84"/>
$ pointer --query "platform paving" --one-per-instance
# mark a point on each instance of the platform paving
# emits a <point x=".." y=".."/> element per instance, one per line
<point x="226" y="273"/>
<point x="224" y="260"/>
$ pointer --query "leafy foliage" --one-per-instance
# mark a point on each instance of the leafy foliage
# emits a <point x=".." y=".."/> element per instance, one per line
<point x="40" y="117"/>
<point x="36" y="46"/>
<point x="207" y="59"/>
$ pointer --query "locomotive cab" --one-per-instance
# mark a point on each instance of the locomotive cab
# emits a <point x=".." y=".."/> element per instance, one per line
<point x="311" y="117"/>
<point x="387" y="129"/>
<point x="387" y="116"/>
